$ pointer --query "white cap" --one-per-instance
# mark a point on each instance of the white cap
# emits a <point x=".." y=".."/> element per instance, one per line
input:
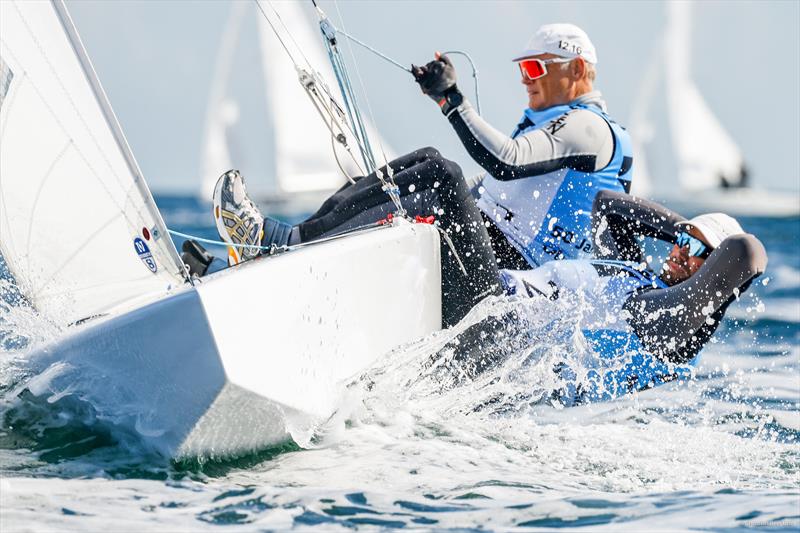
<point x="564" y="40"/>
<point x="715" y="227"/>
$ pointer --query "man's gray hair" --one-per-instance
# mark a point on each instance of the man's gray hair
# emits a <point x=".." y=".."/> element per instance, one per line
<point x="591" y="71"/>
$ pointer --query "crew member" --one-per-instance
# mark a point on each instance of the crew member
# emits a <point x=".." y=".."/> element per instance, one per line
<point x="536" y="197"/>
<point x="644" y="328"/>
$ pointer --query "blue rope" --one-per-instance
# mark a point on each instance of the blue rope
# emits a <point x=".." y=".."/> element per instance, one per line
<point x="219" y="243"/>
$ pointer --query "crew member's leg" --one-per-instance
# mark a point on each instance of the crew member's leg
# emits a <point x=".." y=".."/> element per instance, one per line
<point x="429" y="185"/>
<point x="366" y="192"/>
<point x="508" y="257"/>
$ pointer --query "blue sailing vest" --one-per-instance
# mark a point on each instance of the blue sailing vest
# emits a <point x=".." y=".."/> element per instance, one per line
<point x="620" y="364"/>
<point x="548" y="216"/>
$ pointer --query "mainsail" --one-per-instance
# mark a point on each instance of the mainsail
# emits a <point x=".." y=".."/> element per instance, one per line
<point x="79" y="229"/>
<point x="703" y="155"/>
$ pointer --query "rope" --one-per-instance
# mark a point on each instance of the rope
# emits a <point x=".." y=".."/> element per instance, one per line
<point x="474" y="75"/>
<point x="218" y="243"/>
<point x="401" y="67"/>
<point x="275" y="31"/>
<point x="374" y="51"/>
<point x="314" y="89"/>
<point x="272" y="249"/>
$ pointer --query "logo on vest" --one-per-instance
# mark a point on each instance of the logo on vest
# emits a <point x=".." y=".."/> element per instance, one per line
<point x="560" y="238"/>
<point x="557" y="124"/>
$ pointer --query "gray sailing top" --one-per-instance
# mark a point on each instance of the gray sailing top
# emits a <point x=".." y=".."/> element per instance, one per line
<point x="541" y="181"/>
<point x="577" y="134"/>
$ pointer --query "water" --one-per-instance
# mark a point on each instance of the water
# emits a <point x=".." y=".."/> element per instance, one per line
<point x="416" y="445"/>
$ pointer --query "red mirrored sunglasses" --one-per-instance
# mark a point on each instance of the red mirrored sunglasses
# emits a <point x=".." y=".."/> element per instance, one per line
<point x="536" y="68"/>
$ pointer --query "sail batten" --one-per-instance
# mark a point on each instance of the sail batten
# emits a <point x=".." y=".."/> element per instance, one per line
<point x="80" y="230"/>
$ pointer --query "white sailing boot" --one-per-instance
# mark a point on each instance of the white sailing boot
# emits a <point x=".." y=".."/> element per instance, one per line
<point x="239" y="222"/>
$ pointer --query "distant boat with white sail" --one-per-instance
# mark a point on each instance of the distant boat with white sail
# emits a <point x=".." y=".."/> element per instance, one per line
<point x="683" y="154"/>
<point x="301" y="169"/>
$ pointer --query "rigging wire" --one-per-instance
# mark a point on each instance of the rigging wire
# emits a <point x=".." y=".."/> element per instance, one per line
<point x="391" y="188"/>
<point x="271" y="250"/>
<point x="286" y="30"/>
<point x="345" y="86"/>
<point x="361" y="83"/>
<point x="355" y="126"/>
<point x="312" y="85"/>
<point x="340" y="69"/>
<point x="373" y="50"/>
<point x="315" y="88"/>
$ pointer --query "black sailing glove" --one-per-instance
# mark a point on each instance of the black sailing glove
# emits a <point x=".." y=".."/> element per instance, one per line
<point x="437" y="79"/>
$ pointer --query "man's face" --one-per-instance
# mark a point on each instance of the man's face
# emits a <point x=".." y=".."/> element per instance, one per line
<point x="551" y="89"/>
<point x="680" y="265"/>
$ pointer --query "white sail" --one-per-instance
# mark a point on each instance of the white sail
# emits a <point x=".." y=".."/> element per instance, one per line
<point x="78" y="226"/>
<point x="706" y="154"/>
<point x="303" y="157"/>
<point x="301" y="162"/>
<point x="223" y="112"/>
<point x="643" y="127"/>
<point x="679" y="145"/>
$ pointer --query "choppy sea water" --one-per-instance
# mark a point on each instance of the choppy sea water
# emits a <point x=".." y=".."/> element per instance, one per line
<point x="416" y="445"/>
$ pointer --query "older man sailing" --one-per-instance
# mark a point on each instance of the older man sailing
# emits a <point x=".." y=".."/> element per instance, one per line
<point x="541" y="181"/>
<point x="534" y="206"/>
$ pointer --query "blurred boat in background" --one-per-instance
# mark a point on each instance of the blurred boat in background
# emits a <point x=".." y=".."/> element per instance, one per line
<point x="683" y="154"/>
<point x="301" y="169"/>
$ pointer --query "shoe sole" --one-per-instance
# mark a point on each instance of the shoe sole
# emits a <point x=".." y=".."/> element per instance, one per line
<point x="233" y="255"/>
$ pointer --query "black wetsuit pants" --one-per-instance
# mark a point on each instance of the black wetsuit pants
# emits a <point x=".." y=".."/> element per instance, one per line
<point x="429" y="185"/>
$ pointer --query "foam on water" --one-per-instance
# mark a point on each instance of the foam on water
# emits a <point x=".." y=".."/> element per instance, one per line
<point x="421" y="440"/>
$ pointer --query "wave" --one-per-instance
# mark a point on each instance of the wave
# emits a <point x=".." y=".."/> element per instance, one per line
<point x="735" y="423"/>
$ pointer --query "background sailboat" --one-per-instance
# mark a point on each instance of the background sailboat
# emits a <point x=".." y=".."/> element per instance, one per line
<point x="683" y="154"/>
<point x="297" y="167"/>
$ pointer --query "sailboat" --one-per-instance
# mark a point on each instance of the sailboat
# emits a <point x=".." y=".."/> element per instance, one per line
<point x="683" y="154"/>
<point x="302" y="169"/>
<point x="211" y="367"/>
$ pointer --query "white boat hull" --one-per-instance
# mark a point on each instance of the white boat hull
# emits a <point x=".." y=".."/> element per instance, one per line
<point x="255" y="353"/>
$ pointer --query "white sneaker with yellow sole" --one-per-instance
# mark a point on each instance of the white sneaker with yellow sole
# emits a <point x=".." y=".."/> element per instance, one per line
<point x="239" y="222"/>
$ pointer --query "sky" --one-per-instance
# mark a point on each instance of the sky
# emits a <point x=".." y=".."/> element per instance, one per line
<point x="155" y="60"/>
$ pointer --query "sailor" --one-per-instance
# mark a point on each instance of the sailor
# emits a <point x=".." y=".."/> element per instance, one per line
<point x="534" y="204"/>
<point x="536" y="196"/>
<point x="643" y="328"/>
